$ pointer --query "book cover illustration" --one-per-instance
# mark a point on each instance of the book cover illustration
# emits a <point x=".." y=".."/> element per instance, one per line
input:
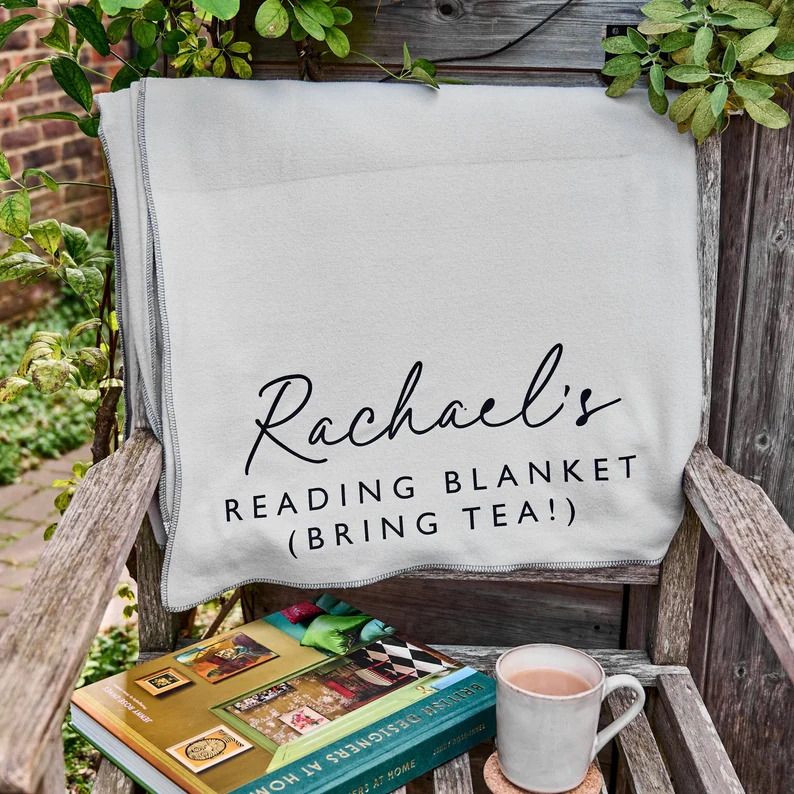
<point x="311" y="698"/>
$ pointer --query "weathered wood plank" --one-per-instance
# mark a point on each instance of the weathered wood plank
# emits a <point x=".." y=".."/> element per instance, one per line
<point x="438" y="29"/>
<point x="53" y="780"/>
<point x="689" y="740"/>
<point x="454" y="777"/>
<point x="111" y="780"/>
<point x="619" y="574"/>
<point x="643" y="762"/>
<point x="754" y="542"/>
<point x="613" y="660"/>
<point x="44" y="642"/>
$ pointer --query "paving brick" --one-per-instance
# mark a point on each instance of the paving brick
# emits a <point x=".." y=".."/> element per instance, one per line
<point x="41" y="477"/>
<point x="14" y="577"/>
<point x="11" y="494"/>
<point x="37" y="507"/>
<point x="26" y="550"/>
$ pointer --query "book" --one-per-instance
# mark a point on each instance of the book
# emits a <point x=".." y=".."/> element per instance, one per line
<point x="320" y="697"/>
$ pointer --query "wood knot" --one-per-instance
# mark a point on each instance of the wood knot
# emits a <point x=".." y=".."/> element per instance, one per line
<point x="449" y="9"/>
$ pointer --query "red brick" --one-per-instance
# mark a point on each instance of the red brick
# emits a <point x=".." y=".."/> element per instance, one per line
<point x="22" y="136"/>
<point x="81" y="147"/>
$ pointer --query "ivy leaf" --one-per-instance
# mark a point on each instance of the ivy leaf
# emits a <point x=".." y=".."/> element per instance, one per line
<point x="753" y="89"/>
<point x="767" y="113"/>
<point x="621" y="65"/>
<point x="15" y="214"/>
<point x="749" y="16"/>
<point x="684" y="106"/>
<point x="85" y="20"/>
<point x="221" y="9"/>
<point x="271" y="20"/>
<point x="703" y="119"/>
<point x="342" y="16"/>
<point x="769" y="64"/>
<point x="658" y="102"/>
<point x="755" y="43"/>
<point x="318" y="11"/>
<point x="656" y="76"/>
<point x="47" y="235"/>
<point x="309" y="24"/>
<point x="11" y="387"/>
<point x="688" y="73"/>
<point x="718" y="98"/>
<point x="71" y="78"/>
<point x="50" y="375"/>
<point x="704" y="38"/>
<point x="5" y="168"/>
<point x="663" y="10"/>
<point x="76" y="241"/>
<point x="45" y="178"/>
<point x="337" y="42"/>
<point x="10" y="25"/>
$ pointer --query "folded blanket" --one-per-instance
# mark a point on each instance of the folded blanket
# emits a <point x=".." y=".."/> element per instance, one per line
<point x="378" y="328"/>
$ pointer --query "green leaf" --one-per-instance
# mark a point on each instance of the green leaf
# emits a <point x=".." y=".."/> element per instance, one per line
<point x="81" y="328"/>
<point x="50" y="531"/>
<point x="50" y="375"/>
<point x="656" y="76"/>
<point x="221" y="9"/>
<point x="719" y="20"/>
<point x="58" y="38"/>
<point x="156" y="11"/>
<point x="418" y="73"/>
<point x="684" y="106"/>
<point x="71" y="78"/>
<point x="318" y="11"/>
<point x="43" y="176"/>
<point x="57" y="115"/>
<point x="15" y="214"/>
<point x="144" y="32"/>
<point x="663" y="10"/>
<point x="342" y="16"/>
<point x="620" y="85"/>
<point x="124" y="78"/>
<point x="13" y="4"/>
<point x="11" y="387"/>
<point x="753" y="89"/>
<point x="271" y="20"/>
<point x="296" y="31"/>
<point x="658" y="102"/>
<point x="769" y="64"/>
<point x="677" y="41"/>
<point x="406" y="58"/>
<point x="688" y="73"/>
<point x="5" y="168"/>
<point x="117" y="29"/>
<point x="85" y="20"/>
<point x="10" y="25"/>
<point x="240" y="67"/>
<point x="22" y="266"/>
<point x="425" y="65"/>
<point x="338" y="42"/>
<point x="703" y="119"/>
<point x="690" y="17"/>
<point x="704" y="38"/>
<point x="785" y="52"/>
<point x="638" y="42"/>
<point x="767" y="113"/>
<point x="786" y="23"/>
<point x="89" y="126"/>
<point x="749" y="16"/>
<point x="76" y="241"/>
<point x="93" y="359"/>
<point x="755" y="43"/>
<point x="88" y="396"/>
<point x="309" y="24"/>
<point x="718" y="98"/>
<point x="658" y="28"/>
<point x="729" y="59"/>
<point x="617" y="45"/>
<point x="219" y="66"/>
<point x="621" y="65"/>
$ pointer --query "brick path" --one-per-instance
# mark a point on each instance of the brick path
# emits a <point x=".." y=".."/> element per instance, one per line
<point x="26" y="509"/>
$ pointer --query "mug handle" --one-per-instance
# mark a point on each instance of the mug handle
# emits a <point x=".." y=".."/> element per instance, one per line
<point x="619" y="723"/>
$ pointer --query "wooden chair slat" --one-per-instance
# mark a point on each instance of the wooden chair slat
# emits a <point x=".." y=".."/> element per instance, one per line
<point x="755" y="543"/>
<point x="53" y="780"/>
<point x="619" y="574"/>
<point x="643" y="762"/>
<point x="43" y="645"/>
<point x="454" y="777"/>
<point x="613" y="660"/>
<point x="690" y="743"/>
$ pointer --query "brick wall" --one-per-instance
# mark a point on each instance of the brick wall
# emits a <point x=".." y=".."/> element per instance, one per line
<point x="56" y="146"/>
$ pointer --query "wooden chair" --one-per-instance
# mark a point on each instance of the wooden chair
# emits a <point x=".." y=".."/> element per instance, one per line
<point x="674" y="746"/>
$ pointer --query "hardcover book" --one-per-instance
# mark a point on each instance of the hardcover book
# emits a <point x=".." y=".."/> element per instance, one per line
<point x="319" y="697"/>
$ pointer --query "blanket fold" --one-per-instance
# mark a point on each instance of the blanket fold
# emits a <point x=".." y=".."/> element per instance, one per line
<point x="378" y="328"/>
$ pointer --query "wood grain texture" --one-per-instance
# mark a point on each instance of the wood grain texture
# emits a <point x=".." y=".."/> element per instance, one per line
<point x="753" y="541"/>
<point x="454" y="777"/>
<point x="613" y="660"/>
<point x="111" y="780"/>
<point x="53" y="779"/>
<point x="619" y="574"/>
<point x="689" y="740"/>
<point x="644" y="766"/>
<point x="46" y="638"/>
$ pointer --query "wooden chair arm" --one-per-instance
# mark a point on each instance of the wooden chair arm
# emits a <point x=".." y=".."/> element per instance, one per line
<point x="755" y="543"/>
<point x="45" y="640"/>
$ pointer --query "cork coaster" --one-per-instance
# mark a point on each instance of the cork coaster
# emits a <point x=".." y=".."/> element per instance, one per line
<point x="499" y="784"/>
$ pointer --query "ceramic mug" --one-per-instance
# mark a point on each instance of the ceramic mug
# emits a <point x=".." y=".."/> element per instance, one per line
<point x="546" y="743"/>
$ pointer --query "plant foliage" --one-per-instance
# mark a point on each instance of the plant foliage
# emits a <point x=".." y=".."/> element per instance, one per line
<point x="728" y="56"/>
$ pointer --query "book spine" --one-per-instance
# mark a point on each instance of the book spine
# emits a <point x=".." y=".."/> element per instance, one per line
<point x="403" y="764"/>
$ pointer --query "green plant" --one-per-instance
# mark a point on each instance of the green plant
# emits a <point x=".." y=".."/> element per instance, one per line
<point x="735" y="55"/>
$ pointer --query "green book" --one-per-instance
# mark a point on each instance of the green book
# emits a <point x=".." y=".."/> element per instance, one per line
<point x="319" y="697"/>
